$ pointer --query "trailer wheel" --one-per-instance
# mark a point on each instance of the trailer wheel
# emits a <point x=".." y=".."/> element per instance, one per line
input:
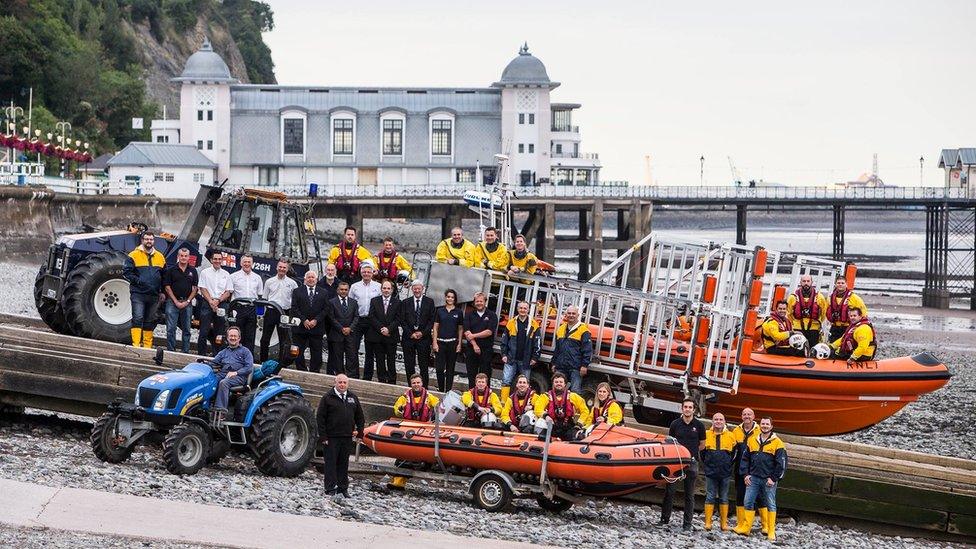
<point x="105" y="441"/>
<point x="49" y="310"/>
<point x="539" y="380"/>
<point x="96" y="298"/>
<point x="185" y="449"/>
<point x="554" y="505"/>
<point x="492" y="493"/>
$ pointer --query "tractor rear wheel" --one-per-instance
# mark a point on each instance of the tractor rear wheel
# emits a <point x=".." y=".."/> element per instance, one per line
<point x="105" y="441"/>
<point x="185" y="449"/>
<point x="284" y="435"/>
<point x="49" y="310"/>
<point x="96" y="298"/>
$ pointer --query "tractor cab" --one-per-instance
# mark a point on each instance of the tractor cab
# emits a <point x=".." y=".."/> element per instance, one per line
<point x="267" y="226"/>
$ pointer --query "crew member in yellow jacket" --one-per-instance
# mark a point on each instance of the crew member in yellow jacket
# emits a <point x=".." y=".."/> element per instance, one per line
<point x="807" y="308"/>
<point x="416" y="404"/>
<point x="521" y="260"/>
<point x="838" y="306"/>
<point x="456" y="250"/>
<point x="605" y="408"/>
<point x="859" y="341"/>
<point x="567" y="409"/>
<point x="490" y="253"/>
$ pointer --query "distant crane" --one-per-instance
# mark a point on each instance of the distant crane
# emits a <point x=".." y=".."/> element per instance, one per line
<point x="736" y="178"/>
<point x="648" y="180"/>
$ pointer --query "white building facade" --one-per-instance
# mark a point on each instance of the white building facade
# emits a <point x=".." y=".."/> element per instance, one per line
<point x="166" y="170"/>
<point x="271" y="135"/>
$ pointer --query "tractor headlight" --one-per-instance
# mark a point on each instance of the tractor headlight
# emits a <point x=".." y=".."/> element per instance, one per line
<point x="295" y="321"/>
<point x="284" y="320"/>
<point x="221" y="313"/>
<point x="160" y="403"/>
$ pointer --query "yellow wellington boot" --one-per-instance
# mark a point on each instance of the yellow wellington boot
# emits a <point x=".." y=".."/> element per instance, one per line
<point x="506" y="390"/>
<point x="399" y="483"/>
<point x="745" y="526"/>
<point x="764" y="519"/>
<point x="739" y="513"/>
<point x="136" y="336"/>
<point x="709" y="511"/>
<point x="723" y="516"/>
<point x="771" y="524"/>
<point x="147" y="339"/>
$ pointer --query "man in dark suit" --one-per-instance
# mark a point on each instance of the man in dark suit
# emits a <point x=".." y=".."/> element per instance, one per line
<point x="308" y="304"/>
<point x="343" y="314"/>
<point x="384" y="332"/>
<point x="417" y="321"/>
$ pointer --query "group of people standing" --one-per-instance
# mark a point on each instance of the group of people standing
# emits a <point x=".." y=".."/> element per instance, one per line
<point x="751" y="455"/>
<point x="807" y="313"/>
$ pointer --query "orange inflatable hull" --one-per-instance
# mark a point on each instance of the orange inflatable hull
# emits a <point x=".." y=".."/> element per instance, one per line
<point x="609" y="461"/>
<point x="808" y="396"/>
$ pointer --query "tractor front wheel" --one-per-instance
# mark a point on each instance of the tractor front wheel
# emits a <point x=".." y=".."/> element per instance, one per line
<point x="284" y="435"/>
<point x="106" y="442"/>
<point x="185" y="449"/>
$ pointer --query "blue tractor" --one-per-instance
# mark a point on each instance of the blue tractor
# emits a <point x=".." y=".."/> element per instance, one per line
<point x="80" y="289"/>
<point x="268" y="417"/>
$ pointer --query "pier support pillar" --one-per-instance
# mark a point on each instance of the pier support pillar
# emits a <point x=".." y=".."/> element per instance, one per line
<point x="596" y="254"/>
<point x="584" y="253"/>
<point x="451" y="220"/>
<point x="740" y="224"/>
<point x="936" y="291"/>
<point x="549" y="234"/>
<point x="354" y="218"/>
<point x="838" y="250"/>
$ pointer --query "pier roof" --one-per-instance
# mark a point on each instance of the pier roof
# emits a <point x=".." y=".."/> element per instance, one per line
<point x="140" y="153"/>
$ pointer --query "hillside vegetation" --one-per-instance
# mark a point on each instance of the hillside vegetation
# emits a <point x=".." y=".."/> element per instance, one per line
<point x="99" y="63"/>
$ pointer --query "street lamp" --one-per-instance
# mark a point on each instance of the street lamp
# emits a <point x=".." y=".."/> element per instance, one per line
<point x="921" y="171"/>
<point x="701" y="171"/>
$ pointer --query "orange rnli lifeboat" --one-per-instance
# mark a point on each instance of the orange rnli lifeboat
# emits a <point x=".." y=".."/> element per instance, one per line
<point x="608" y="461"/>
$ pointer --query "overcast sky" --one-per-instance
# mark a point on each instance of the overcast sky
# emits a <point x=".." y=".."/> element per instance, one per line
<point x="797" y="93"/>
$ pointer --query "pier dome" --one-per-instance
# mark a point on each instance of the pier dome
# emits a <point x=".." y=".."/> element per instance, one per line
<point x="525" y="70"/>
<point x="205" y="65"/>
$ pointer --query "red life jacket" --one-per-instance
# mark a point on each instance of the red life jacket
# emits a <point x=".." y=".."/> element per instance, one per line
<point x="806" y="309"/>
<point x="847" y="341"/>
<point x="517" y="410"/>
<point x="561" y="412"/>
<point x="784" y="326"/>
<point x="348" y="265"/>
<point x="837" y="313"/>
<point x="421" y="412"/>
<point x="604" y="410"/>
<point x="481" y="400"/>
<point x="387" y="269"/>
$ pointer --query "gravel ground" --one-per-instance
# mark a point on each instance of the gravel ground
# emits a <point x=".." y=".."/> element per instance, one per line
<point x="60" y="539"/>
<point x="54" y="451"/>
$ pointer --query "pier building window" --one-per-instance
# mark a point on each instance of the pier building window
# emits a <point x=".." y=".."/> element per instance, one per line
<point x="559" y="148"/>
<point x="209" y="145"/>
<point x="488" y="176"/>
<point x="293" y="136"/>
<point x="531" y="148"/>
<point x="158" y="176"/>
<point x="199" y="115"/>
<point x="198" y="177"/>
<point x="531" y="118"/>
<point x="521" y="118"/>
<point x="342" y="137"/>
<point x="170" y="176"/>
<point x="268" y="176"/>
<point x="466" y="175"/>
<point x="440" y="137"/>
<point x="521" y="147"/>
<point x="200" y="144"/>
<point x="209" y="116"/>
<point x="393" y="136"/>
<point x="562" y="121"/>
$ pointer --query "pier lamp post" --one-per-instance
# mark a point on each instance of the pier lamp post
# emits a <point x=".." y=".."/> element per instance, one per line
<point x="921" y="171"/>
<point x="701" y="171"/>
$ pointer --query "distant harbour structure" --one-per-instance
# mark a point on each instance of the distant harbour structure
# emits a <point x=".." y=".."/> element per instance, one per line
<point x="275" y="135"/>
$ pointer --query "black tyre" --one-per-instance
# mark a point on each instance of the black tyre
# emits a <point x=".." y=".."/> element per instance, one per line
<point x="49" y="310"/>
<point x="283" y="435"/>
<point x="185" y="449"/>
<point x="105" y="442"/>
<point x="651" y="416"/>
<point x="96" y="298"/>
<point x="540" y="380"/>
<point x="218" y="451"/>
<point x="555" y="505"/>
<point x="590" y="381"/>
<point x="491" y="493"/>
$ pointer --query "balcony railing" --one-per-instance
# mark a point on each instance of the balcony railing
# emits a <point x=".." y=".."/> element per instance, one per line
<point x="585" y="156"/>
<point x="573" y="129"/>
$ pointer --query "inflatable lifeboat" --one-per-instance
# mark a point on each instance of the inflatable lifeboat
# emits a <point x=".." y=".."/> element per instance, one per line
<point x="609" y="461"/>
<point x="806" y="396"/>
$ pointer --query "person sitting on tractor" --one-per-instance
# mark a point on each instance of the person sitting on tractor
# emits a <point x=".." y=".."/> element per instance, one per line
<point x="480" y="400"/>
<point x="567" y="409"/>
<point x="347" y="257"/>
<point x="859" y="342"/>
<point x="521" y="401"/>
<point x="143" y="270"/>
<point x="456" y="250"/>
<point x="416" y="404"/>
<point x="390" y="265"/>
<point x="236" y="363"/>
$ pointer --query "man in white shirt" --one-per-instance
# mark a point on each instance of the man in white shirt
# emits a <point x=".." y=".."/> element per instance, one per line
<point x="247" y="284"/>
<point x="277" y="290"/>
<point x="215" y="292"/>
<point x="363" y="292"/>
